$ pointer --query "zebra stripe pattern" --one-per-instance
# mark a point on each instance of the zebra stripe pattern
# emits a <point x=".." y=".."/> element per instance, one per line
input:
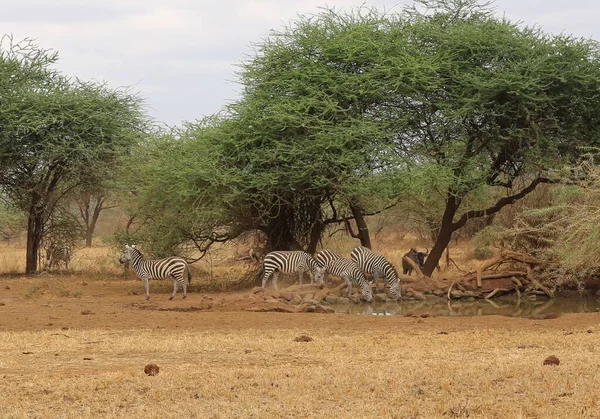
<point x="158" y="269"/>
<point x="58" y="253"/>
<point x="346" y="269"/>
<point x="288" y="262"/>
<point x="377" y="265"/>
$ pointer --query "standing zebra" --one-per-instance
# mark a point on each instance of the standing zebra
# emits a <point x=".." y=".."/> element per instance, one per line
<point x="57" y="253"/>
<point x="346" y="269"/>
<point x="289" y="262"/>
<point x="377" y="265"/>
<point x="157" y="268"/>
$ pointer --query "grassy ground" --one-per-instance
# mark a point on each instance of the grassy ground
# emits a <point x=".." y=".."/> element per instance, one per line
<point x="77" y="347"/>
<point x="408" y="373"/>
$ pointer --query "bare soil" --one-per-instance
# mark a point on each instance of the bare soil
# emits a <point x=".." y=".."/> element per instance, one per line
<point x="76" y="346"/>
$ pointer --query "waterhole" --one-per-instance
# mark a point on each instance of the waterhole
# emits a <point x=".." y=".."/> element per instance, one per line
<point x="506" y="306"/>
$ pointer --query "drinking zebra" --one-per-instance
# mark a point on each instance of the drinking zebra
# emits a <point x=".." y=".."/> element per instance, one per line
<point x="346" y="269"/>
<point x="58" y="253"/>
<point x="377" y="265"/>
<point x="157" y="268"/>
<point x="288" y="262"/>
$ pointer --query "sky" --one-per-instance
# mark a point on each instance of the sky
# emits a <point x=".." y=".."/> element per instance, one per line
<point x="182" y="56"/>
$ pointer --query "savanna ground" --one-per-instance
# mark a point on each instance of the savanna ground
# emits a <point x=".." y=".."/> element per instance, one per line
<point x="75" y="345"/>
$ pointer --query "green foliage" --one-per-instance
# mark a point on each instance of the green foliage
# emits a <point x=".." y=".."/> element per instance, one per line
<point x="443" y="104"/>
<point x="56" y="133"/>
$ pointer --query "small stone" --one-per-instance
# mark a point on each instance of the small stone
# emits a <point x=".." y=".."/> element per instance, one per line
<point x="552" y="360"/>
<point x="287" y="296"/>
<point x="151" y="369"/>
<point x="257" y="290"/>
<point x="296" y="300"/>
<point x="321" y="309"/>
<point x="380" y="298"/>
<point x="419" y="296"/>
<point x="303" y="338"/>
<point x="439" y="293"/>
<point x="308" y="297"/>
<point x="456" y="294"/>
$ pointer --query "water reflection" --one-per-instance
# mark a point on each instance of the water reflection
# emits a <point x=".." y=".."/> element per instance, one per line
<point x="502" y="306"/>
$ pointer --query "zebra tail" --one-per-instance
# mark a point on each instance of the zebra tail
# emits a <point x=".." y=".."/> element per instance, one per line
<point x="189" y="275"/>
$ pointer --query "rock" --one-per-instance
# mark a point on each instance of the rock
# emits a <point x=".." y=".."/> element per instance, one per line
<point x="551" y="360"/>
<point x="303" y="338"/>
<point x="597" y="293"/>
<point x="343" y="300"/>
<point x="438" y="293"/>
<point x="287" y="296"/>
<point x="258" y="290"/>
<point x="296" y="299"/>
<point x="331" y="299"/>
<point x="322" y="309"/>
<point x="456" y="294"/>
<point x="151" y="369"/>
<point x="321" y="294"/>
<point x="307" y="308"/>
<point x="469" y="299"/>
<point x="419" y="296"/>
<point x="355" y="299"/>
<point x="380" y="298"/>
<point x="308" y="297"/>
<point x="310" y="302"/>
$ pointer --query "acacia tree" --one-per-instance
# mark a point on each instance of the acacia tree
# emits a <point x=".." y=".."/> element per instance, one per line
<point x="346" y="114"/>
<point x="54" y="131"/>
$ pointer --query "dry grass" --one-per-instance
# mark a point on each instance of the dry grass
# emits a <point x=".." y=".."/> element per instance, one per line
<point x="258" y="373"/>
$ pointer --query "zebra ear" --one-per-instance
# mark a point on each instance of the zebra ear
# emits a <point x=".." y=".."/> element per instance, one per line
<point x="133" y="246"/>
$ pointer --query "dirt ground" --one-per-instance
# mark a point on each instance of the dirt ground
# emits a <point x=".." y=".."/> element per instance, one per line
<point x="75" y="346"/>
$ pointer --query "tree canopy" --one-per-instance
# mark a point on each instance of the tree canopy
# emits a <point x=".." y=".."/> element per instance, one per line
<point x="345" y="114"/>
<point x="56" y="133"/>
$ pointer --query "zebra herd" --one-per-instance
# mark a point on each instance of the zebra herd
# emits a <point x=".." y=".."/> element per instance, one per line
<point x="352" y="270"/>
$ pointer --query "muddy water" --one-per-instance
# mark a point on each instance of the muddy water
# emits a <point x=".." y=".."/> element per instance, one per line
<point x="501" y="306"/>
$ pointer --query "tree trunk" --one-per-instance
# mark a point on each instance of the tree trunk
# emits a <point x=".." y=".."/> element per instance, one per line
<point x="35" y="229"/>
<point x="449" y="226"/>
<point x="91" y="227"/>
<point x="443" y="237"/>
<point x="361" y="224"/>
<point x="315" y="236"/>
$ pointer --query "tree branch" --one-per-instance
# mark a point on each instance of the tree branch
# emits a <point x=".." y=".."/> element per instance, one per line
<point x="502" y="202"/>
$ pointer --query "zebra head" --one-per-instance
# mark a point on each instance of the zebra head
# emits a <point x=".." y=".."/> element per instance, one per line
<point x="366" y="292"/>
<point x="319" y="276"/>
<point x="127" y="253"/>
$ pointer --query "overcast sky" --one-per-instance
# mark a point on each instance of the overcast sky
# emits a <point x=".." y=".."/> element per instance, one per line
<point x="181" y="55"/>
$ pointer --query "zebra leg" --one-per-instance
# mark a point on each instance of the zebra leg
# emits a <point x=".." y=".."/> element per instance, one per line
<point x="184" y="288"/>
<point x="147" y="288"/>
<point x="265" y="278"/>
<point x="376" y="279"/>
<point x="175" y="286"/>
<point x="300" y="274"/>
<point x="349" y="288"/>
<point x="275" y="276"/>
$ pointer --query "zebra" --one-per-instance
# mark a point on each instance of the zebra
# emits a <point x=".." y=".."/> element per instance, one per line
<point x="57" y="253"/>
<point x="346" y="269"/>
<point x="157" y="268"/>
<point x="289" y="262"/>
<point x="373" y="263"/>
<point x="417" y="257"/>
